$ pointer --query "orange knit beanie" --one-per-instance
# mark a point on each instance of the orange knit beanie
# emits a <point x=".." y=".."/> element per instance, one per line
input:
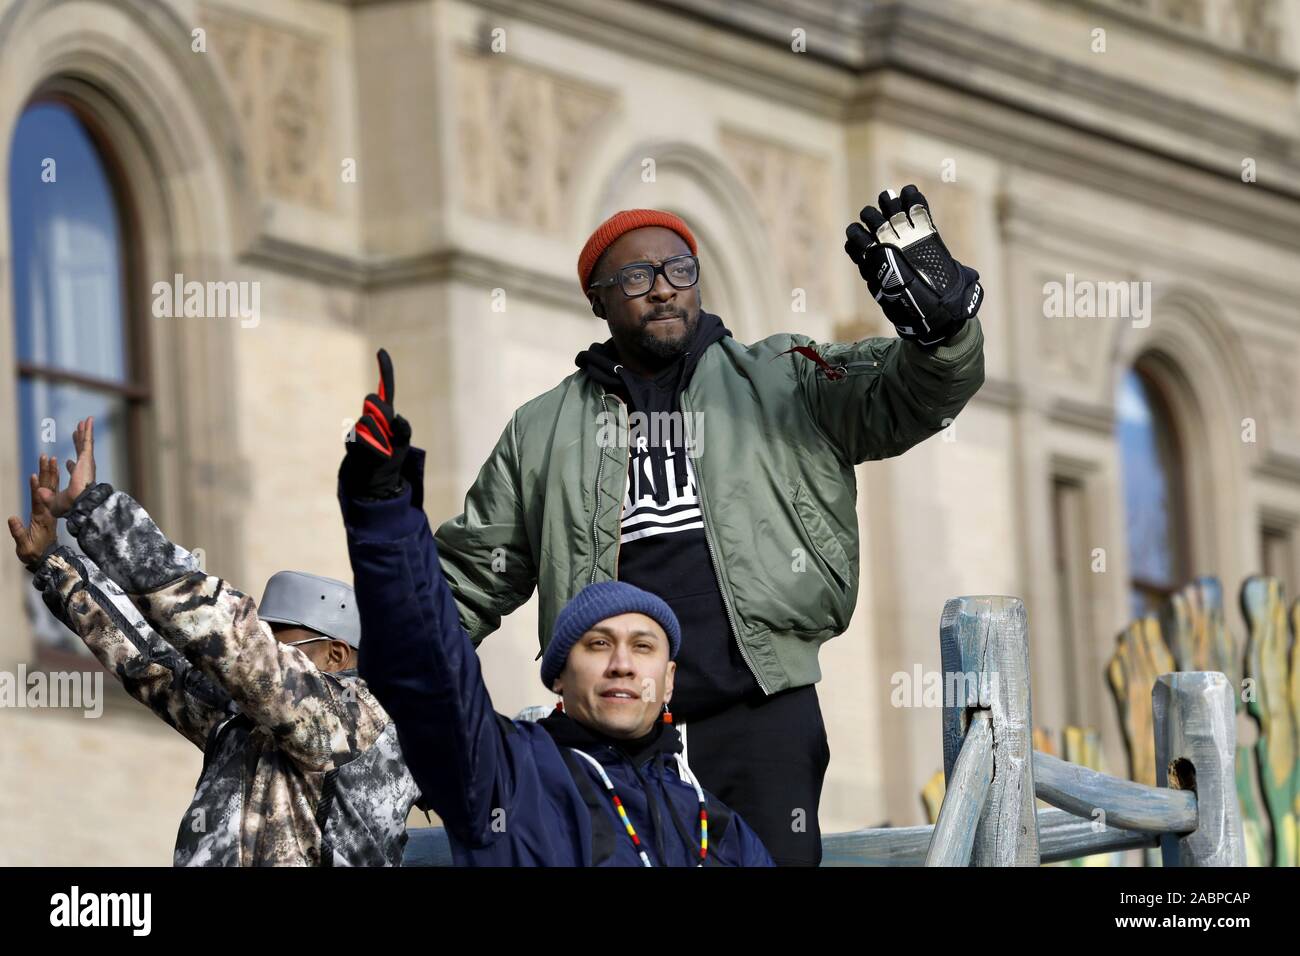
<point x="625" y="221"/>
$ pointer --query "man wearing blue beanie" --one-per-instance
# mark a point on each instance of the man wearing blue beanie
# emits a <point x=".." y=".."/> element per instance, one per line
<point x="598" y="611"/>
<point x="601" y="781"/>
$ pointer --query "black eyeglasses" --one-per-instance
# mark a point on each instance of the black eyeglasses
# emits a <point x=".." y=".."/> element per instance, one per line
<point x="638" y="278"/>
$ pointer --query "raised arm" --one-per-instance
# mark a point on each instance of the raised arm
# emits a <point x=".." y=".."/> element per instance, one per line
<point x="880" y="396"/>
<point x="97" y="611"/>
<point x="420" y="664"/>
<point x="151" y="671"/>
<point x="316" y="718"/>
<point x="415" y="656"/>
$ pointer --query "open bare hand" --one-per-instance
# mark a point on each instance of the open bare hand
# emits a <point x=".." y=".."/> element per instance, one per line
<point x="31" y="542"/>
<point x="81" y="473"/>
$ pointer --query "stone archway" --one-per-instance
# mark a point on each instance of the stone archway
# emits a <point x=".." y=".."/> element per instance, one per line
<point x="1195" y="360"/>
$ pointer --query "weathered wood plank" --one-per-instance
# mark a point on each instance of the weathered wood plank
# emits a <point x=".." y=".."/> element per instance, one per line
<point x="984" y="644"/>
<point x="963" y="801"/>
<point x="1063" y="836"/>
<point x="1195" y="744"/>
<point x="877" y="846"/>
<point x="1082" y="746"/>
<point x="1122" y="803"/>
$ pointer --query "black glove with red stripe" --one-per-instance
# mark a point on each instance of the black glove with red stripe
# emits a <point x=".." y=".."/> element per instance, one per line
<point x="377" y="446"/>
<point x="923" y="290"/>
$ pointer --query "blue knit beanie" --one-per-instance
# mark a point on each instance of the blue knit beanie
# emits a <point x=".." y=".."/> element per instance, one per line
<point x="592" y="605"/>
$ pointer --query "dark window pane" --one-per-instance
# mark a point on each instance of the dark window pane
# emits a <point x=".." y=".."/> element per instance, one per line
<point x="68" y="308"/>
<point x="1150" y="473"/>
<point x="49" y="411"/>
<point x="67" y="257"/>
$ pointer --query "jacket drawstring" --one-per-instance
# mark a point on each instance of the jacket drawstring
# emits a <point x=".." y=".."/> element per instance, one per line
<point x="679" y="473"/>
<point x="682" y="831"/>
<point x="653" y="805"/>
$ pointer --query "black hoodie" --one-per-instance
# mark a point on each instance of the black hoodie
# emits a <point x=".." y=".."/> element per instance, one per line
<point x="663" y="547"/>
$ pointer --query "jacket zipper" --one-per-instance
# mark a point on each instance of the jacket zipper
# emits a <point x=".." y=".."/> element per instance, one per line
<point x="722" y="587"/>
<point x="595" y="503"/>
<point x="851" y="365"/>
<point x="595" y="507"/>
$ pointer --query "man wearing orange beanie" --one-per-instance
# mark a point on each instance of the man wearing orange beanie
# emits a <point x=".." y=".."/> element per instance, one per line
<point x="748" y="527"/>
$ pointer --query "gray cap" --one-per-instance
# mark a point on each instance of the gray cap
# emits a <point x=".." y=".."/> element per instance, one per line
<point x="306" y="600"/>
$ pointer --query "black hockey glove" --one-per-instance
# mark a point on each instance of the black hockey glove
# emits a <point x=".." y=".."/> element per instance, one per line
<point x="926" y="293"/>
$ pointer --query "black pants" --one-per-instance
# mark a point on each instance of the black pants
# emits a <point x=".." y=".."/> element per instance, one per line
<point x="766" y="760"/>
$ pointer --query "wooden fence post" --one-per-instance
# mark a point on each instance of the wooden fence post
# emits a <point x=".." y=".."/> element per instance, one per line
<point x="963" y="801"/>
<point x="984" y="646"/>
<point x="1196" y="740"/>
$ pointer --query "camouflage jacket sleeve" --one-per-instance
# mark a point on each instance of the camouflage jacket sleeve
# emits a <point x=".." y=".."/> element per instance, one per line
<point x="97" y="611"/>
<point x="317" y="719"/>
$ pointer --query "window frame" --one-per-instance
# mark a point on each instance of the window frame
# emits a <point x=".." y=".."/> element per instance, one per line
<point x="1171" y="448"/>
<point x="135" y="388"/>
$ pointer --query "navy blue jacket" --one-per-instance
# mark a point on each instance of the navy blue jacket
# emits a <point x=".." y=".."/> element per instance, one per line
<point x="510" y="793"/>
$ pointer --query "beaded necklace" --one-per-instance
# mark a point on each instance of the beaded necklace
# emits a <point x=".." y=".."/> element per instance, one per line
<point x="685" y="772"/>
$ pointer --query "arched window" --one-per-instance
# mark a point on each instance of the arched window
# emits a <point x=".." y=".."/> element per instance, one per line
<point x="76" y="356"/>
<point x="1153" y="493"/>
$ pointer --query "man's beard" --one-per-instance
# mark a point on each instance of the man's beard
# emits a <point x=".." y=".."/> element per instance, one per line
<point x="663" y="348"/>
